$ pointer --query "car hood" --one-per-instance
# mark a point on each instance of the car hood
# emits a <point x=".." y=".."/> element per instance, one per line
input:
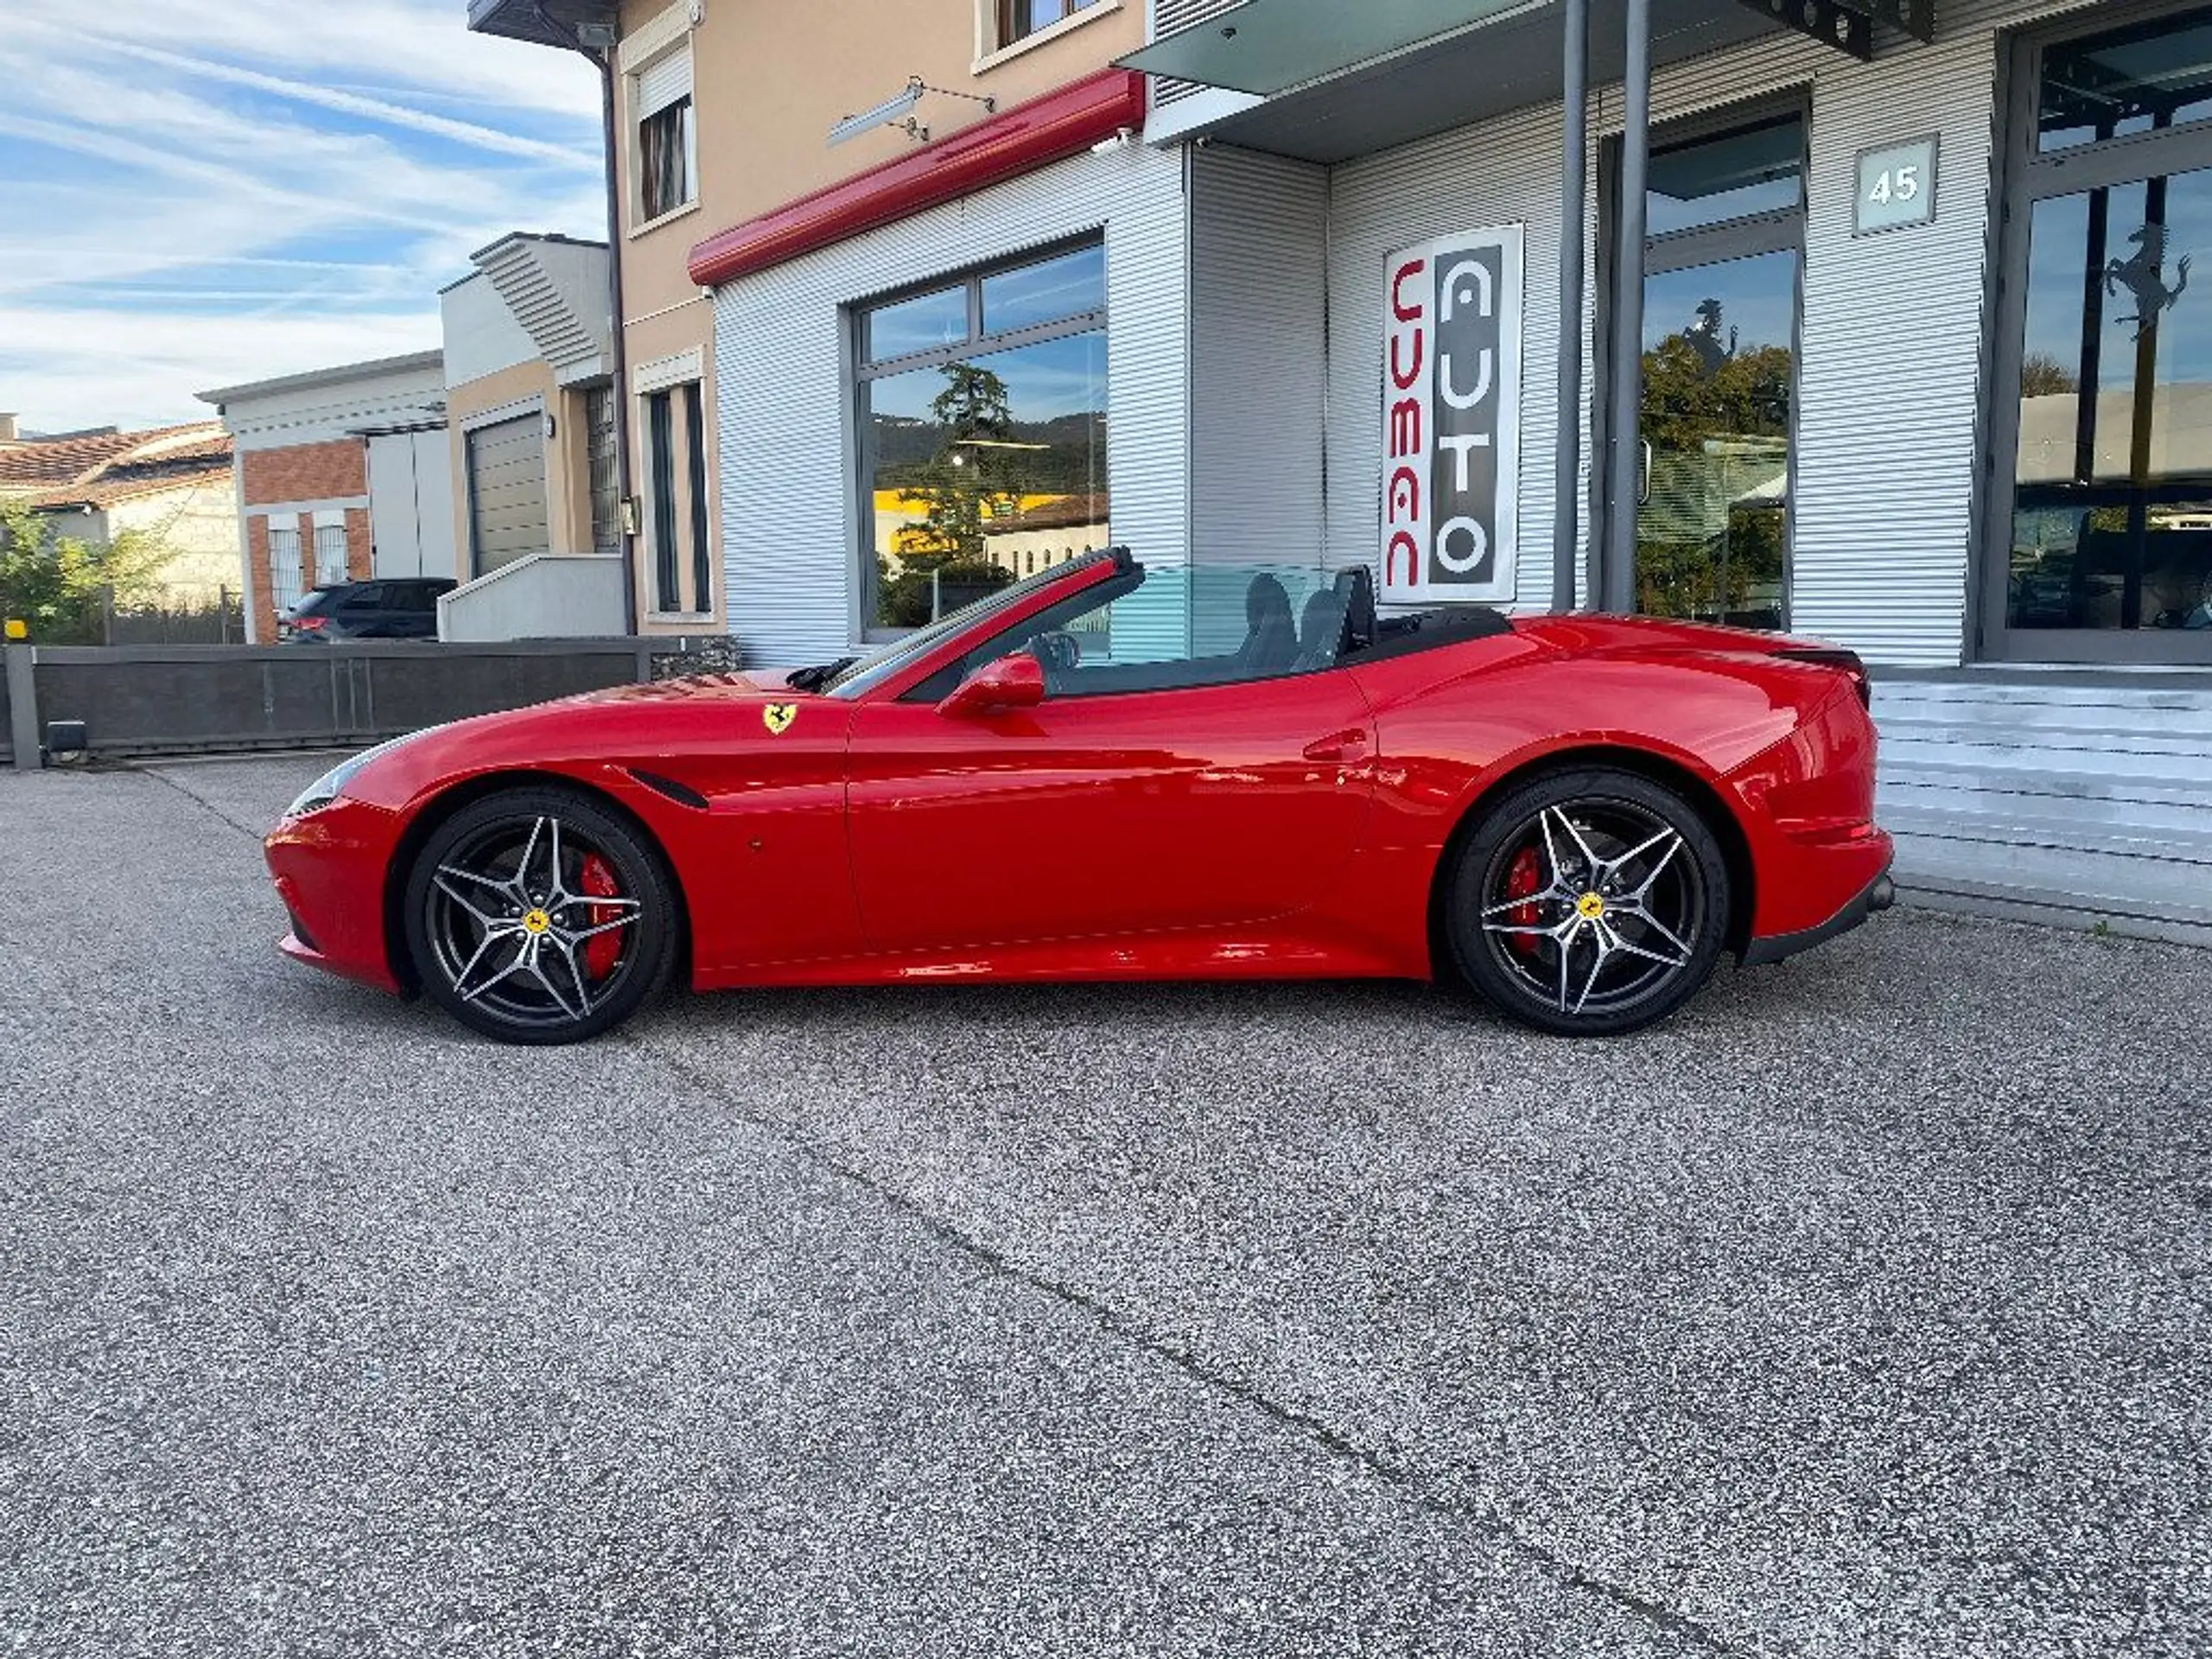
<point x="761" y="683"/>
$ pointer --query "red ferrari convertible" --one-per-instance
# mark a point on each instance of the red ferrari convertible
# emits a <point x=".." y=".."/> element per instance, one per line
<point x="1099" y="773"/>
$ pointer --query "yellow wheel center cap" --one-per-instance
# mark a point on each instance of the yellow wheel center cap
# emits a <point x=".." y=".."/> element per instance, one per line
<point x="536" y="921"/>
<point x="1590" y="906"/>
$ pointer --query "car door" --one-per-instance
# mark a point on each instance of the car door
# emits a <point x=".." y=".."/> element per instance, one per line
<point x="360" y="612"/>
<point x="1196" y="807"/>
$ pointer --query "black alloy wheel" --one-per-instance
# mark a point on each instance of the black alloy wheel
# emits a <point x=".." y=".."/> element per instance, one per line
<point x="538" y="916"/>
<point x="1590" y="903"/>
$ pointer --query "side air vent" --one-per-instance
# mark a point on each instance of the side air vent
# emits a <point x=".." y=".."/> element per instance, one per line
<point x="682" y="794"/>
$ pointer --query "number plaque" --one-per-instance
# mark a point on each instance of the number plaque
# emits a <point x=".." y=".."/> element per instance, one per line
<point x="1896" y="187"/>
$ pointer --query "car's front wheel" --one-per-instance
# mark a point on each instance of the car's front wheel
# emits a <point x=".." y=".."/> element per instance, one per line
<point x="538" y="916"/>
<point x="1590" y="903"/>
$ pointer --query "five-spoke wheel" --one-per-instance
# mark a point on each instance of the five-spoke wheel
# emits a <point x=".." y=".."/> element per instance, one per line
<point x="538" y="916"/>
<point x="1590" y="902"/>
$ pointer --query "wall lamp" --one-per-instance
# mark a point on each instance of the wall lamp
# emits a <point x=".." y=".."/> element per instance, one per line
<point x="901" y="104"/>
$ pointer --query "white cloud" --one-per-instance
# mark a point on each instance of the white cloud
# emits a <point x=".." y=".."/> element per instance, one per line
<point x="422" y="43"/>
<point x="260" y="187"/>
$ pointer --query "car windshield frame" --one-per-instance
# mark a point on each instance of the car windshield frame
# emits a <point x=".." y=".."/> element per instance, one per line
<point x="866" y="672"/>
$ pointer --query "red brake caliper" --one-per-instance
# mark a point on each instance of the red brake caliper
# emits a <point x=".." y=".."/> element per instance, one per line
<point x="602" y="950"/>
<point x="1523" y="881"/>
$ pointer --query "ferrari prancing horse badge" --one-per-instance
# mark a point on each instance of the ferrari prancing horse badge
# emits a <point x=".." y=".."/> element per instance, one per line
<point x="777" y="717"/>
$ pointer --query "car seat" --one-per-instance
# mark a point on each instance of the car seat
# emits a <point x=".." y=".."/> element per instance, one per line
<point x="1271" y="636"/>
<point x="1321" y="630"/>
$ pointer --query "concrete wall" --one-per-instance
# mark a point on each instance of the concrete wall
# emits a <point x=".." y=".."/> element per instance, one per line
<point x="539" y="598"/>
<point x="482" y="338"/>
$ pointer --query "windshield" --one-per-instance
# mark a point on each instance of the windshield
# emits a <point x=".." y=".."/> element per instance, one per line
<point x="873" y="668"/>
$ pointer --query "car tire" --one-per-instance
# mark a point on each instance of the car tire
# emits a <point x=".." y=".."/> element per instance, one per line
<point x="1589" y="903"/>
<point x="540" y="916"/>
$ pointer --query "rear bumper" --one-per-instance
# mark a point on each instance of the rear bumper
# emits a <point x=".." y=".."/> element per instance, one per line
<point x="1879" y="895"/>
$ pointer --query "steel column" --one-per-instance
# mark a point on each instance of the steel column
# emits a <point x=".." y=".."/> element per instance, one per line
<point x="1567" y="481"/>
<point x="1623" y="474"/>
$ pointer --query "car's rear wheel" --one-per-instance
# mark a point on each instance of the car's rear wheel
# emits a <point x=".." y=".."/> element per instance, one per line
<point x="1590" y="903"/>
<point x="538" y="916"/>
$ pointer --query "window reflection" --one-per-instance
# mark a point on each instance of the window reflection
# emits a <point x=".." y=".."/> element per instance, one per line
<point x="978" y="467"/>
<point x="1756" y="170"/>
<point x="2111" y="526"/>
<point x="983" y="461"/>
<point x="2140" y="79"/>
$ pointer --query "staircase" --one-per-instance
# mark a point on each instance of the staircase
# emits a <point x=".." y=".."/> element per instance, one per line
<point x="2053" y="798"/>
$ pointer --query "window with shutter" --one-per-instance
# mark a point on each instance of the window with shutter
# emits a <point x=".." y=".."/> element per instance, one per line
<point x="667" y="142"/>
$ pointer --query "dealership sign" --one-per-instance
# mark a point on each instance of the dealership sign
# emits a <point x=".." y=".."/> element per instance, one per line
<point x="1451" y="418"/>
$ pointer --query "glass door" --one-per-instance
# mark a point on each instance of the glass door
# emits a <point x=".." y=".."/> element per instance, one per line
<point x="2104" y="520"/>
<point x="1726" y="219"/>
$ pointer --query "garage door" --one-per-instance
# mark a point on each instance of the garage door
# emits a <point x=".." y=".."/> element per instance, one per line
<point x="507" y="492"/>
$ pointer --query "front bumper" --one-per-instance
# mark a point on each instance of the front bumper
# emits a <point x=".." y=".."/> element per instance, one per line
<point x="1877" y="895"/>
<point x="329" y="870"/>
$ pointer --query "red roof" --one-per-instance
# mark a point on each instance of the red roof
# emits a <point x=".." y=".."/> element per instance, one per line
<point x="1068" y="512"/>
<point x="99" y="469"/>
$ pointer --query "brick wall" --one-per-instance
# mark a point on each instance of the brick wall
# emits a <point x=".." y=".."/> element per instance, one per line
<point x="265" y="601"/>
<point x="360" y="549"/>
<point x="307" y="472"/>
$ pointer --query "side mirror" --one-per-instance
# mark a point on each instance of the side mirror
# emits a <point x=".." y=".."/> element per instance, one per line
<point x="1012" y="681"/>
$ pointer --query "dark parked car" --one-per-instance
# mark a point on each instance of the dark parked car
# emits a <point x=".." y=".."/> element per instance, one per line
<point x="367" y="610"/>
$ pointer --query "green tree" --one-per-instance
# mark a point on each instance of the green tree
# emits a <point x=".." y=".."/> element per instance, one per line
<point x="59" y="585"/>
<point x="1687" y="567"/>
<point x="972" y="479"/>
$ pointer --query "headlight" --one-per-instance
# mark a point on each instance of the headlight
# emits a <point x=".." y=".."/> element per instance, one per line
<point x="327" y="788"/>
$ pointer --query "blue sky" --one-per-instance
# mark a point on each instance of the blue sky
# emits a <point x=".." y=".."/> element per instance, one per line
<point x="196" y="192"/>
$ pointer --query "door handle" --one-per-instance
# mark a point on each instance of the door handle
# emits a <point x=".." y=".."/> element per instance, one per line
<point x="1339" y="748"/>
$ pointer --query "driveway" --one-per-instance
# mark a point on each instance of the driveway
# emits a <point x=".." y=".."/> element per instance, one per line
<point x="1864" y="1310"/>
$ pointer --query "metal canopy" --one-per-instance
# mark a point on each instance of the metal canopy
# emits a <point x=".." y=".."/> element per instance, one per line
<point x="1510" y="62"/>
<point x="1270" y="46"/>
<point x="543" y="22"/>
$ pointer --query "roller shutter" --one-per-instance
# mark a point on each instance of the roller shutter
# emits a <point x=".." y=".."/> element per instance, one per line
<point x="506" y="493"/>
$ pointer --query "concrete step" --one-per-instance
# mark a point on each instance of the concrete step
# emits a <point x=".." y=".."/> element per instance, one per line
<point x="2183" y="692"/>
<point x="2099" y="884"/>
<point x="2188" y="743"/>
<point x="2104" y="776"/>
<point x="2188" y="844"/>
<point x="2090" y="814"/>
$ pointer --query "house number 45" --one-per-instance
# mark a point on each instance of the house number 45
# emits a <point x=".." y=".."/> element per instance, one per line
<point x="1900" y="184"/>
<point x="1896" y="187"/>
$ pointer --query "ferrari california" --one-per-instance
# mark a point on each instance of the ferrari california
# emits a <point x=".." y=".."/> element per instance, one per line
<point x="1101" y="772"/>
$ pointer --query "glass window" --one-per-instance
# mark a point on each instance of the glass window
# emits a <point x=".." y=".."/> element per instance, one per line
<point x="329" y="548"/>
<point x="976" y="455"/>
<point x="284" y="573"/>
<point x="1756" y="170"/>
<point x="606" y="474"/>
<point x="924" y="323"/>
<point x="665" y="148"/>
<point x="1172" y="629"/>
<point x="1720" y="374"/>
<point x="2112" y="520"/>
<point x="2150" y="76"/>
<point x="1067" y="286"/>
<point x="1019" y="19"/>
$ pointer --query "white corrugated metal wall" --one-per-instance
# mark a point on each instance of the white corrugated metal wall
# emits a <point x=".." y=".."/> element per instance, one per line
<point x="1892" y="336"/>
<point x="790" y="540"/>
<point x="1259" y="357"/>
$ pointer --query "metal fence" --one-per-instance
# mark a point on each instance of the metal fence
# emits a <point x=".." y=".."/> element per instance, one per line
<point x="185" y="699"/>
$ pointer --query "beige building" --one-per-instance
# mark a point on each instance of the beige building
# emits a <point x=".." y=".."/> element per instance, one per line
<point x="729" y="115"/>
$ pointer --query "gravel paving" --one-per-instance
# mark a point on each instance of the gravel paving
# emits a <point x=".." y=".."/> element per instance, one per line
<point x="1863" y="1310"/>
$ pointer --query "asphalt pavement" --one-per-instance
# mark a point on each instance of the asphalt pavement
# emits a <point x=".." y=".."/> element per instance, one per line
<point x="1863" y="1309"/>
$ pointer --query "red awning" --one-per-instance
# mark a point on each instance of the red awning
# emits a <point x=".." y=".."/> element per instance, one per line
<point x="1004" y="146"/>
